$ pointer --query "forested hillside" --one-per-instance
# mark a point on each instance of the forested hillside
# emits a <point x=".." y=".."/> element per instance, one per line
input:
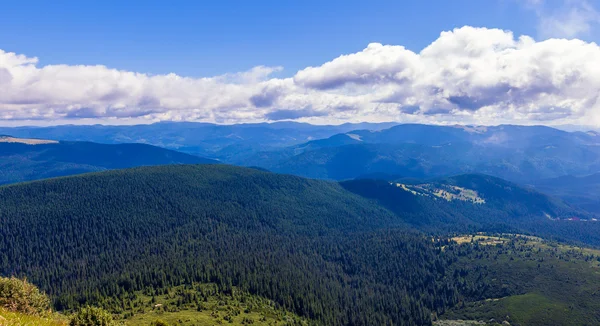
<point x="100" y="235"/>
<point x="326" y="254"/>
<point x="581" y="191"/>
<point x="476" y="202"/>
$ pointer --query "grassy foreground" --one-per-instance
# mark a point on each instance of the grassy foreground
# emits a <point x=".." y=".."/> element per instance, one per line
<point x="8" y="318"/>
<point x="196" y="304"/>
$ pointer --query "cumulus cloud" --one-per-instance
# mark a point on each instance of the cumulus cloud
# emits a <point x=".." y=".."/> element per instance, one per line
<point x="468" y="75"/>
<point x="375" y="64"/>
<point x="474" y="72"/>
<point x="98" y="91"/>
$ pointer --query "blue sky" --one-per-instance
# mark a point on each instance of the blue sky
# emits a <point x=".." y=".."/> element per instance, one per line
<point x="427" y="61"/>
<point x="206" y="38"/>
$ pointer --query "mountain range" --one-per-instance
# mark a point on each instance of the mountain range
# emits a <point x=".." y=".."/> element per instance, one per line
<point x="223" y="142"/>
<point x="541" y="157"/>
<point x="516" y="153"/>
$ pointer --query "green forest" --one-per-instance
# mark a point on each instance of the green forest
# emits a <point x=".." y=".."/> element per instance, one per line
<point x="317" y="251"/>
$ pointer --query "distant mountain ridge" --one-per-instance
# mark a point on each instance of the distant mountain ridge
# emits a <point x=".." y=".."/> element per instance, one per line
<point x="223" y="142"/>
<point x="518" y="153"/>
<point x="522" y="154"/>
<point x="32" y="159"/>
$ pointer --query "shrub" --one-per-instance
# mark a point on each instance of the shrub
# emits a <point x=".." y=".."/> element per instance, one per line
<point x="159" y="322"/>
<point x="21" y="296"/>
<point x="92" y="316"/>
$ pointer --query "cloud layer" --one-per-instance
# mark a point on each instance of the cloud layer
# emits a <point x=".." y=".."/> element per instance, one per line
<point x="468" y="75"/>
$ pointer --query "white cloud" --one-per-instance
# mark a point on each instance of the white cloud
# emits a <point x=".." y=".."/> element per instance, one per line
<point x="564" y="18"/>
<point x="468" y="75"/>
<point x="477" y="73"/>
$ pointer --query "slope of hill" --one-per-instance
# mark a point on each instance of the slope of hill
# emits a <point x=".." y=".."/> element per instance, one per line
<point x="516" y="153"/>
<point x="476" y="202"/>
<point x="31" y="159"/>
<point x="581" y="191"/>
<point x="511" y="198"/>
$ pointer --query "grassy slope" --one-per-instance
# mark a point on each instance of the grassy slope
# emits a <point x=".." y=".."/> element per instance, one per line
<point x="8" y="318"/>
<point x="236" y="308"/>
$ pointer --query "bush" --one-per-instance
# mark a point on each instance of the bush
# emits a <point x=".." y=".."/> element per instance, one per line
<point x="92" y="316"/>
<point x="21" y="296"/>
<point x="159" y="322"/>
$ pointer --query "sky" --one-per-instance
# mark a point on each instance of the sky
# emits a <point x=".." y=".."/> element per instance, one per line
<point x="430" y="61"/>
